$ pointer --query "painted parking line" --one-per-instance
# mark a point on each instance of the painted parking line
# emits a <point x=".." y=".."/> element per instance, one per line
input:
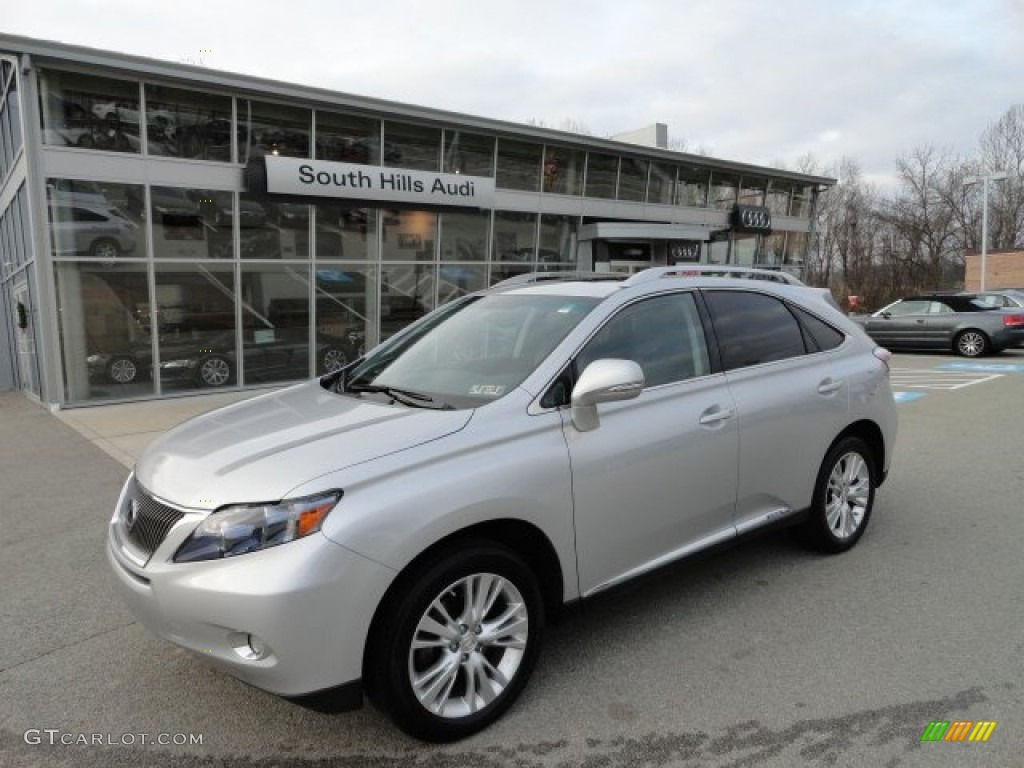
<point x="915" y="378"/>
<point x="906" y="397"/>
<point x="988" y="367"/>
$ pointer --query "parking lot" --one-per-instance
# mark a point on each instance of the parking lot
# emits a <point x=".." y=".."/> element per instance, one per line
<point x="761" y="654"/>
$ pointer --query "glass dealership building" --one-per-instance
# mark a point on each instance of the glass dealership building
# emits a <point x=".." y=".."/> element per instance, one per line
<point x="166" y="228"/>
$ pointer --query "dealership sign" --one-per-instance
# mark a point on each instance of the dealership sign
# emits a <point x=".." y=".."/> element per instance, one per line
<point x="319" y="178"/>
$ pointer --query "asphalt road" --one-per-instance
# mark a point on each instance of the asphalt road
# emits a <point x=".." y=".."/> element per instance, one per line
<point x="759" y="655"/>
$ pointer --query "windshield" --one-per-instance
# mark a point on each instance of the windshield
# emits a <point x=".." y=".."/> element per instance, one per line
<point x="471" y="352"/>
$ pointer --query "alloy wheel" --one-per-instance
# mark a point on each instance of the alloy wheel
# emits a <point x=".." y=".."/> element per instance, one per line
<point x="848" y="495"/>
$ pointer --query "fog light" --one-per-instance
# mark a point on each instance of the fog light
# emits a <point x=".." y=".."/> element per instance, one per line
<point x="250" y="647"/>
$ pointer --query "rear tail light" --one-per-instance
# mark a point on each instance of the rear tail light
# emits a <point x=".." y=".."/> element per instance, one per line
<point x="1013" y="321"/>
<point x="882" y="354"/>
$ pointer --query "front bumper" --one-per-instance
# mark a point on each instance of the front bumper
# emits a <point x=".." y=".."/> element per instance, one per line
<point x="310" y="602"/>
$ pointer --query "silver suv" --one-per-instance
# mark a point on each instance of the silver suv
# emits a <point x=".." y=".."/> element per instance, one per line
<point x="408" y="524"/>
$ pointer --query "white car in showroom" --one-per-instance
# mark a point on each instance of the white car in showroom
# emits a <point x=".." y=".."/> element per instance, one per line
<point x="407" y="525"/>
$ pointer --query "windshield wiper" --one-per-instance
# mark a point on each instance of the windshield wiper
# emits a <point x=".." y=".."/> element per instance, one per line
<point x="404" y="396"/>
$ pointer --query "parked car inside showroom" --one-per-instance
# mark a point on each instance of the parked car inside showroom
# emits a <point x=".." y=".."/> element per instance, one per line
<point x="408" y="524"/>
<point x="961" y="323"/>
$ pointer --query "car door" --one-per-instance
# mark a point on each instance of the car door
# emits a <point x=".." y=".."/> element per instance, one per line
<point x="791" y="399"/>
<point x="902" y="324"/>
<point x="657" y="478"/>
<point x="941" y="325"/>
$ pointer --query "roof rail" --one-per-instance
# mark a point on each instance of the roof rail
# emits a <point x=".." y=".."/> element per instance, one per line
<point x="712" y="270"/>
<point x="540" y="277"/>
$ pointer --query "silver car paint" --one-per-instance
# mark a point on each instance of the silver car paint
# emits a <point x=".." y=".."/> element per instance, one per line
<point x="412" y="477"/>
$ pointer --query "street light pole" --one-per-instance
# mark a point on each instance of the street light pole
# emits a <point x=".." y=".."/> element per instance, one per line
<point x="984" y="179"/>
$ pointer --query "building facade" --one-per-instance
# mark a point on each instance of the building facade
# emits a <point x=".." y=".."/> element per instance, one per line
<point x="166" y="229"/>
<point x="1003" y="269"/>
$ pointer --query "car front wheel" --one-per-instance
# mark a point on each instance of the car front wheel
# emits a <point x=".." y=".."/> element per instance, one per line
<point x="843" y="497"/>
<point x="455" y="649"/>
<point x="971" y="343"/>
<point x="214" y="371"/>
<point x="122" y="370"/>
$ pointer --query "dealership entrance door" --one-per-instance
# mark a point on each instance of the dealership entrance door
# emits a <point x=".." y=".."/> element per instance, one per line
<point x="630" y="247"/>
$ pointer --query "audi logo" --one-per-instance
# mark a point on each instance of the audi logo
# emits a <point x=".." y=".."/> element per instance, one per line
<point x="753" y="218"/>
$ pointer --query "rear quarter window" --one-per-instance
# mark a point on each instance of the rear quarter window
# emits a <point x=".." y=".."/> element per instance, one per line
<point x="753" y="328"/>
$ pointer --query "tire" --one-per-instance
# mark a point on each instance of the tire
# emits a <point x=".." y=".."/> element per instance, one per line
<point x="122" y="369"/>
<point x="971" y="343"/>
<point x="844" y="495"/>
<point x="332" y="359"/>
<point x="213" y="371"/>
<point x="105" y="248"/>
<point x="458" y="648"/>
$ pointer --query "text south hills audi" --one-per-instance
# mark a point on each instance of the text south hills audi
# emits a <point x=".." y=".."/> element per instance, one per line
<point x="407" y="525"/>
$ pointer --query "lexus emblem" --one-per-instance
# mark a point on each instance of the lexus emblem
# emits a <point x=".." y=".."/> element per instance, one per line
<point x="131" y="515"/>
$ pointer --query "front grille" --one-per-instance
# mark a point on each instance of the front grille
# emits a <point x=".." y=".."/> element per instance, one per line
<point x="145" y="521"/>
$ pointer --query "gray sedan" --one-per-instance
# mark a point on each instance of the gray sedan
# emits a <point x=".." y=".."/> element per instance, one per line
<point x="962" y="323"/>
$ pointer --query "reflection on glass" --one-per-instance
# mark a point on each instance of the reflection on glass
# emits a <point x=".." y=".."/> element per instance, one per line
<point x="411" y="146"/>
<point x="744" y="249"/>
<point x="189" y="124"/>
<point x="90" y="112"/>
<point x="464" y="236"/>
<point x="272" y="230"/>
<point x="103" y="316"/>
<point x="454" y="280"/>
<point x="557" y="241"/>
<point x="772" y="249"/>
<point x="95" y="219"/>
<point x="346" y="233"/>
<point x="272" y="129"/>
<point x="345" y="138"/>
<point x="468" y="153"/>
<point x="275" y="323"/>
<point x="602" y="171"/>
<point x="563" y="170"/>
<point x="187" y="223"/>
<point x="346" y="311"/>
<point x="692" y="187"/>
<point x="803" y="198"/>
<point x="632" y="179"/>
<point x="501" y="272"/>
<point x="723" y="190"/>
<point x="515" y="237"/>
<point x="796" y="248"/>
<point x="752" y="191"/>
<point x="195" y="312"/>
<point x="661" y="184"/>
<point x="778" y="197"/>
<point x="408" y="235"/>
<point x="406" y="294"/>
<point x="519" y="165"/>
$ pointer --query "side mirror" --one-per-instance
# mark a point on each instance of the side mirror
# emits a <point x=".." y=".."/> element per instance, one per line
<point x="603" y="381"/>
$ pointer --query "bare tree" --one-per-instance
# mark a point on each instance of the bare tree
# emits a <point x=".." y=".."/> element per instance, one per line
<point x="1002" y="149"/>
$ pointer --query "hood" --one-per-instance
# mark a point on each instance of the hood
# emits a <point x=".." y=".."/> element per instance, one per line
<point x="260" y="449"/>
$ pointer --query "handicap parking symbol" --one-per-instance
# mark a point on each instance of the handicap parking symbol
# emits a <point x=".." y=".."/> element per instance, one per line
<point x="983" y="367"/>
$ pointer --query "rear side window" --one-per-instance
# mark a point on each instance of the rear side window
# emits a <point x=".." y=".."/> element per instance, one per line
<point x="753" y="328"/>
<point x="821" y="335"/>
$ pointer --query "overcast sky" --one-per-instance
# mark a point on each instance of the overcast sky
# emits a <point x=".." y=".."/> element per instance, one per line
<point x="749" y="80"/>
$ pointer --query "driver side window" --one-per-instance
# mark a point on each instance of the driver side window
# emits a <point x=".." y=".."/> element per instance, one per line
<point x="663" y="334"/>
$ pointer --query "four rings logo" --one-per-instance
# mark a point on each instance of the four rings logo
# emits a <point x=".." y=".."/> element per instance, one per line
<point x="752" y="218"/>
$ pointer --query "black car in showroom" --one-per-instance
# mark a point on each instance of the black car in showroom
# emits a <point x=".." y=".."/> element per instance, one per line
<point x="962" y="323"/>
<point x="210" y="359"/>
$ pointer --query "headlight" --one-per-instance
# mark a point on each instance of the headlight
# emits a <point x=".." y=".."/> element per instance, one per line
<point x="97" y="359"/>
<point x="251" y="527"/>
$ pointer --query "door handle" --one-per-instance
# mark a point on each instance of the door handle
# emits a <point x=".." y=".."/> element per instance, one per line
<point x="828" y="387"/>
<point x="715" y="415"/>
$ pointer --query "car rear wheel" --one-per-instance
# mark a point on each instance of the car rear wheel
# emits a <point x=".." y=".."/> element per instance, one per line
<point x="455" y="649"/>
<point x="844" y="495"/>
<point x="122" y="370"/>
<point x="214" y="371"/>
<point x="971" y="343"/>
